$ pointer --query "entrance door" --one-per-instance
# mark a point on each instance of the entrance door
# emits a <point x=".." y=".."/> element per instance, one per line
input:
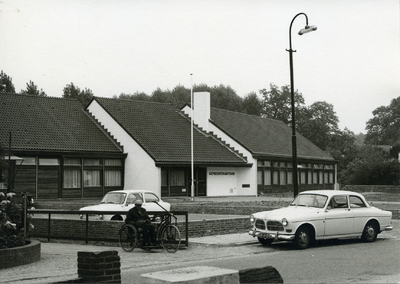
<point x="201" y="181"/>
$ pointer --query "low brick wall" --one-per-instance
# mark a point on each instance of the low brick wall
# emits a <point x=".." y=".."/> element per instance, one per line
<point x="12" y="257"/>
<point x="108" y="230"/>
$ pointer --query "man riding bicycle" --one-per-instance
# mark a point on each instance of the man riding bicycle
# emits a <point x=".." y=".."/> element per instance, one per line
<point x="138" y="216"/>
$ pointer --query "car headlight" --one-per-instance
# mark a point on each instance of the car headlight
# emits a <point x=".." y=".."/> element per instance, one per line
<point x="252" y="219"/>
<point x="285" y="222"/>
<point x="101" y="217"/>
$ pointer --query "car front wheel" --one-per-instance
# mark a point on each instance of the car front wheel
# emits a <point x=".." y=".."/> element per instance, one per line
<point x="370" y="232"/>
<point x="303" y="238"/>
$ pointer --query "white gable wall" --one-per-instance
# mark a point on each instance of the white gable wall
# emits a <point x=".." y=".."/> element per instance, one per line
<point x="243" y="175"/>
<point x="140" y="169"/>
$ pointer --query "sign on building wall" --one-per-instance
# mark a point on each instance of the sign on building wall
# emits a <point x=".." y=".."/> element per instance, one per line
<point x="221" y="173"/>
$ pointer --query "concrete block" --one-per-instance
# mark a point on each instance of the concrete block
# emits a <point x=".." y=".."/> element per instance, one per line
<point x="193" y="275"/>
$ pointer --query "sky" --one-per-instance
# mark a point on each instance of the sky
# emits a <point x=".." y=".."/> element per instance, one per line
<point x="351" y="61"/>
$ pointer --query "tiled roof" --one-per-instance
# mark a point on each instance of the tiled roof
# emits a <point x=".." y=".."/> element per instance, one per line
<point x="164" y="133"/>
<point x="263" y="136"/>
<point x="50" y="124"/>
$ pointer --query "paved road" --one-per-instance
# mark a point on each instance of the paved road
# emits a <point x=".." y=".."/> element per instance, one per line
<point x="328" y="262"/>
<point x="343" y="261"/>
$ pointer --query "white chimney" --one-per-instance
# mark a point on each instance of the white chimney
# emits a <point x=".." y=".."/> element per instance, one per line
<point x="201" y="111"/>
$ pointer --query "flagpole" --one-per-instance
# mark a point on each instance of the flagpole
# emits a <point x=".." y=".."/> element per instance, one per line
<point x="191" y="138"/>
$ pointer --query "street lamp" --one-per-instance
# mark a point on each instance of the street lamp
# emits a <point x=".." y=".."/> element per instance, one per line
<point x="306" y="29"/>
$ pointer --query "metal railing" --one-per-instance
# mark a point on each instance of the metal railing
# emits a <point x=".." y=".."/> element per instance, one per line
<point x="51" y="212"/>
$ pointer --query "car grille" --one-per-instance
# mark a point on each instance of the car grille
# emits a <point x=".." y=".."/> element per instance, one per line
<point x="274" y="226"/>
<point x="260" y="224"/>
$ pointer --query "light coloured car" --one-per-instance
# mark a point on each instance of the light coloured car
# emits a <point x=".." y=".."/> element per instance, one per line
<point x="321" y="215"/>
<point x="124" y="200"/>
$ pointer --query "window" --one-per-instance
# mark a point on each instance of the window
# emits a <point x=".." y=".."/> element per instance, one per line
<point x="315" y="177"/>
<point x="356" y="202"/>
<point x="302" y="177"/>
<point x="330" y="177"/>
<point x="283" y="177"/>
<point x="92" y="162"/>
<point x="113" y="162"/>
<point x="91" y="178"/>
<point x="338" y="201"/>
<point x="72" y="178"/>
<point x="113" y="178"/>
<point x="290" y="177"/>
<point x="132" y="198"/>
<point x="48" y="162"/>
<point x="72" y="162"/>
<point x="309" y="177"/>
<point x="326" y="177"/>
<point x="321" y="177"/>
<point x="260" y="176"/>
<point x="150" y="197"/>
<point x="177" y="178"/>
<point x="164" y="178"/>
<point x="267" y="177"/>
<point x="29" y="161"/>
<point x="275" y="177"/>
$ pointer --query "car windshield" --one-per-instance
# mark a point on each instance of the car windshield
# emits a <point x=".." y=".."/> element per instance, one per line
<point x="113" y="198"/>
<point x="310" y="200"/>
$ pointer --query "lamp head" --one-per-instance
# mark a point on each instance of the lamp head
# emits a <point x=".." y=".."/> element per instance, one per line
<point x="307" y="29"/>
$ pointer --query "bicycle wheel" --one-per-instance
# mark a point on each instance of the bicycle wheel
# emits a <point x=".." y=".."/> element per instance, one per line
<point x="171" y="238"/>
<point x="128" y="237"/>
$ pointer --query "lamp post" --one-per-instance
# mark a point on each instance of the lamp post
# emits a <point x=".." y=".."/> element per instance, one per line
<point x="306" y="29"/>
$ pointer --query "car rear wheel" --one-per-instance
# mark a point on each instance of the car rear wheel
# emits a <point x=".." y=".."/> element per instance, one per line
<point x="265" y="242"/>
<point x="117" y="218"/>
<point x="370" y="232"/>
<point x="303" y="238"/>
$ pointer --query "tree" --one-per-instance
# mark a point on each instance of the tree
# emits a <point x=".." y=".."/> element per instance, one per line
<point x="225" y="97"/>
<point x="73" y="92"/>
<point x="179" y="96"/>
<point x="139" y="96"/>
<point x="160" y="96"/>
<point x="6" y="84"/>
<point x="318" y="123"/>
<point x="372" y="166"/>
<point x="252" y="104"/>
<point x="32" y="89"/>
<point x="384" y="127"/>
<point x="277" y="103"/>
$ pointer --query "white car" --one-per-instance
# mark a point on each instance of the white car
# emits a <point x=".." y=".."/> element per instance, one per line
<point x="320" y="215"/>
<point x="124" y="200"/>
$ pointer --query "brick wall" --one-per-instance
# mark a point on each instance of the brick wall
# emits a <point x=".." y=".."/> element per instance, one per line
<point x="12" y="257"/>
<point x="108" y="230"/>
<point x="99" y="267"/>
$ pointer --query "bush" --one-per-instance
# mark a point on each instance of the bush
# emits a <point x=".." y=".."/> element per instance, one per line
<point x="12" y="222"/>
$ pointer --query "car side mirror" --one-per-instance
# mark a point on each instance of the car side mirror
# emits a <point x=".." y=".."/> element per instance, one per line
<point x="328" y="208"/>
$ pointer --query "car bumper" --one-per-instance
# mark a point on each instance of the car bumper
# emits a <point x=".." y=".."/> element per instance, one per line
<point x="388" y="228"/>
<point x="276" y="236"/>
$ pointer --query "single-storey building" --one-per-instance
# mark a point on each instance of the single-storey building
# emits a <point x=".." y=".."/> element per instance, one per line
<point x="71" y="152"/>
<point x="66" y="153"/>
<point x="234" y="153"/>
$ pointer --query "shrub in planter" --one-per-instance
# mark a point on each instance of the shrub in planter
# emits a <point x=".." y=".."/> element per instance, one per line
<point x="12" y="222"/>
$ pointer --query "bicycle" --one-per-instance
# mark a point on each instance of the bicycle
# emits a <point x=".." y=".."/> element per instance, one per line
<point x="167" y="234"/>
